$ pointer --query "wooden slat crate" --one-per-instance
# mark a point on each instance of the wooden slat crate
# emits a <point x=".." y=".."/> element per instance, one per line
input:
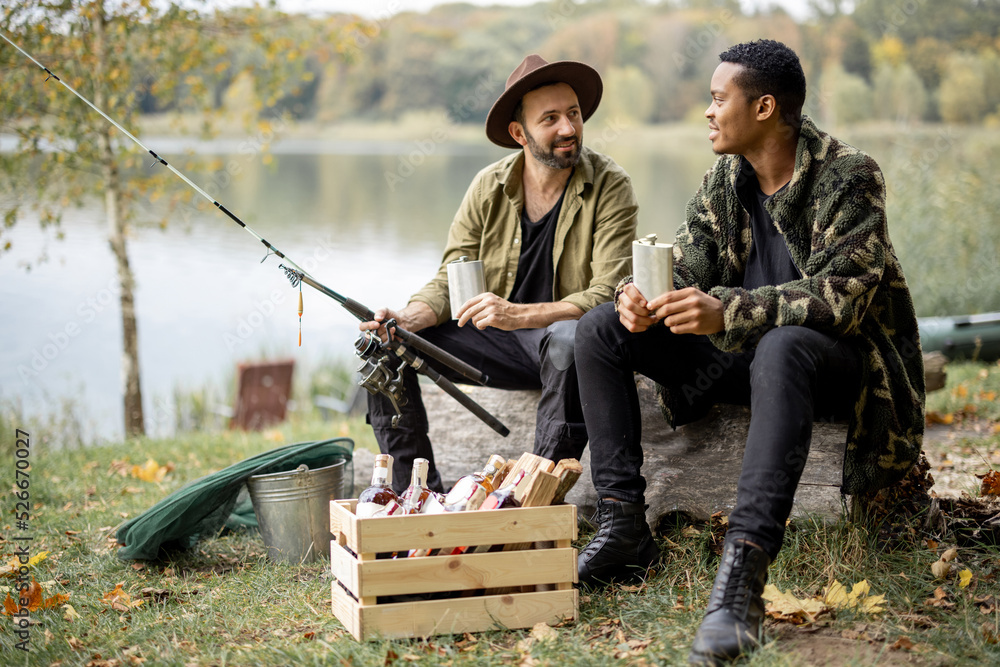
<point x="547" y="571"/>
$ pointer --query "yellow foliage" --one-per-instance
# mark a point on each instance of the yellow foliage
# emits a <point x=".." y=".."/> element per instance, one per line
<point x="14" y="564"/>
<point x="119" y="600"/>
<point x="151" y="471"/>
<point x="787" y="607"/>
<point x="889" y="50"/>
<point x="837" y="597"/>
<point x="964" y="578"/>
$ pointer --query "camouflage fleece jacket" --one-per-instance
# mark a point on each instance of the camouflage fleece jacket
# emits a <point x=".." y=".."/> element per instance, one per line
<point x="832" y="217"/>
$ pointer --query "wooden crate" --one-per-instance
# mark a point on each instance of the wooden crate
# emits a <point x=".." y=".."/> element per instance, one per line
<point x="549" y="568"/>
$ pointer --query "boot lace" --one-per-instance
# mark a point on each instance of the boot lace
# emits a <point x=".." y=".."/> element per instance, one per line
<point x="736" y="583"/>
<point x="602" y="518"/>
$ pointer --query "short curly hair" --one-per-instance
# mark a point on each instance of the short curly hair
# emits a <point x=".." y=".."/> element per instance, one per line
<point x="770" y="68"/>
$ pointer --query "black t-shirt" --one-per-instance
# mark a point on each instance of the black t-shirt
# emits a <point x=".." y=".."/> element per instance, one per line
<point x="535" y="270"/>
<point x="769" y="263"/>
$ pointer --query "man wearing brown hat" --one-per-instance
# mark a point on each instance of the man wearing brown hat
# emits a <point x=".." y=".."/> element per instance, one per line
<point x="552" y="225"/>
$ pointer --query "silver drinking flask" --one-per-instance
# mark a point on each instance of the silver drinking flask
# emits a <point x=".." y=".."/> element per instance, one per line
<point x="652" y="267"/>
<point x="465" y="280"/>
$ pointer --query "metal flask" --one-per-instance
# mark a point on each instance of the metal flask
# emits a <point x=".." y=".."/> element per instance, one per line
<point x="465" y="280"/>
<point x="652" y="267"/>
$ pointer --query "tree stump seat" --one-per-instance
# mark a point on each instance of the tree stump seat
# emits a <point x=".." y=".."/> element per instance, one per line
<point x="692" y="470"/>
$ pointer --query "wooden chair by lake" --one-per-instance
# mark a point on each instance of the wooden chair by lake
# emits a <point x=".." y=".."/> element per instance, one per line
<point x="262" y="393"/>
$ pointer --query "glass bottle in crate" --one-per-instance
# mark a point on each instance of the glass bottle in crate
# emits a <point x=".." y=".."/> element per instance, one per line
<point x="500" y="499"/>
<point x="377" y="496"/>
<point x="487" y="477"/>
<point x="464" y="496"/>
<point x="503" y="498"/>
<point x="392" y="509"/>
<point x="417" y="493"/>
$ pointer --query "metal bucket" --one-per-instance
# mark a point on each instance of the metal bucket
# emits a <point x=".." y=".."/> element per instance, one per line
<point x="293" y="510"/>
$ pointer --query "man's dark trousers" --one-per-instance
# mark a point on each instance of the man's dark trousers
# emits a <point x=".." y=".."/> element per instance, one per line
<point x="523" y="359"/>
<point x="793" y="377"/>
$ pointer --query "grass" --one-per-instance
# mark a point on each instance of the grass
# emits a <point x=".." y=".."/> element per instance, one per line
<point x="224" y="603"/>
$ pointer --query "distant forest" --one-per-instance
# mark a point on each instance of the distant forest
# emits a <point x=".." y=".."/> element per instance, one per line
<point x="895" y="60"/>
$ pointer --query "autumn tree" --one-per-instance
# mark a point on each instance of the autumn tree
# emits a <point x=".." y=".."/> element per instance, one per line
<point x="123" y="55"/>
<point x="963" y="95"/>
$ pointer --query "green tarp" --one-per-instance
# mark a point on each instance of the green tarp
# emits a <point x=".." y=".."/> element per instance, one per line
<point x="203" y="507"/>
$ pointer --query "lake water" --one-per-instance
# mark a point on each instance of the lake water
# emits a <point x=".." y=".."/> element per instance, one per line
<point x="205" y="301"/>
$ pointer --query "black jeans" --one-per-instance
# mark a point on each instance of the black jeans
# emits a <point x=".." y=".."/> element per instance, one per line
<point x="794" y="377"/>
<point x="523" y="359"/>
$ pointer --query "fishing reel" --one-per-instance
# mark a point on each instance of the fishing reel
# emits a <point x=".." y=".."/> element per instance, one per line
<point x="381" y="371"/>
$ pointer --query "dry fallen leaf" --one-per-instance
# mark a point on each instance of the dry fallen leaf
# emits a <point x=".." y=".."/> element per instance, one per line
<point x="542" y="632"/>
<point x="119" y="600"/>
<point x="933" y="417"/>
<point x="991" y="484"/>
<point x="151" y="471"/>
<point x="940" y="599"/>
<point x="35" y="596"/>
<point x="837" y="597"/>
<point x="13" y="566"/>
<point x="941" y="568"/>
<point x="903" y="643"/>
<point x="964" y="578"/>
<point x="70" y="614"/>
<point x="787" y="607"/>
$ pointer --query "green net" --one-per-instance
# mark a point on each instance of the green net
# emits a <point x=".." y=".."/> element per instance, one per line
<point x="203" y="507"/>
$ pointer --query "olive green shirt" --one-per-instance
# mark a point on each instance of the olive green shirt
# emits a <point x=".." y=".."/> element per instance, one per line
<point x="593" y="236"/>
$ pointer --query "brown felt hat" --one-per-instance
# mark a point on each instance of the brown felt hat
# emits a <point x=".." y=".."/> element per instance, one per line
<point x="534" y="72"/>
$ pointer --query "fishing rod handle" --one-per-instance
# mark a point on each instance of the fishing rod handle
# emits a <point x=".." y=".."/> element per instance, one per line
<point x="366" y="314"/>
<point x="358" y="309"/>
<point x="428" y="349"/>
<point x="449" y="388"/>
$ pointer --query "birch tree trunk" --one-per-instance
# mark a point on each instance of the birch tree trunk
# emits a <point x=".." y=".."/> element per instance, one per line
<point x="132" y="391"/>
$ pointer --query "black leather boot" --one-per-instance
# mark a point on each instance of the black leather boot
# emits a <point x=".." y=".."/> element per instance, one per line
<point x="734" y="619"/>
<point x="623" y="547"/>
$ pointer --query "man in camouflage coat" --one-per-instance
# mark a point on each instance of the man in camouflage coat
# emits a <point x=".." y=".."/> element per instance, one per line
<point x="789" y="295"/>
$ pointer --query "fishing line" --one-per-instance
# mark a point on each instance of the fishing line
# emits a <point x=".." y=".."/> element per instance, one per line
<point x="398" y="342"/>
<point x="270" y="248"/>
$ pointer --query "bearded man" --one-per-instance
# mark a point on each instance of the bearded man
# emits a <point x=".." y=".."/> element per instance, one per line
<point x="552" y="225"/>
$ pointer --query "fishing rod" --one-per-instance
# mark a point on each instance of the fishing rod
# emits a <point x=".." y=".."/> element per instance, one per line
<point x="379" y="373"/>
